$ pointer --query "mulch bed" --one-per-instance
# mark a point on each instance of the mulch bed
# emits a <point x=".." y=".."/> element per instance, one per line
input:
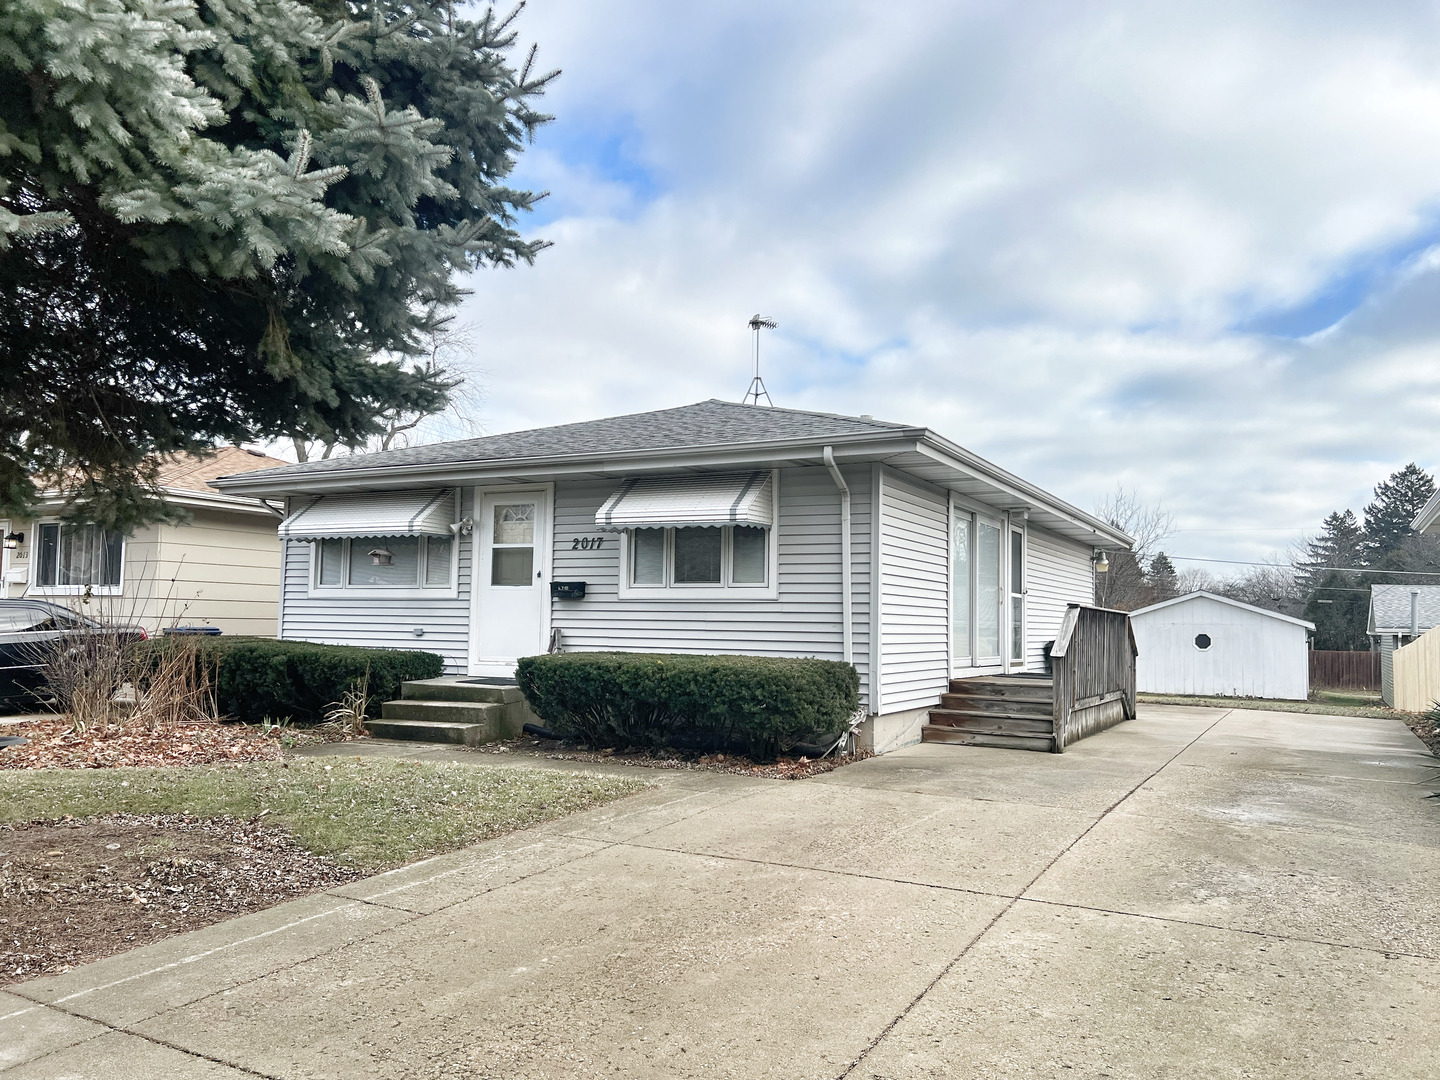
<point x="75" y="891"/>
<point x="1427" y="732"/>
<point x="51" y="744"/>
<point x="781" y="769"/>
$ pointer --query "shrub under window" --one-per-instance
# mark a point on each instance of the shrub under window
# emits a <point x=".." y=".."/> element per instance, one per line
<point x="759" y="704"/>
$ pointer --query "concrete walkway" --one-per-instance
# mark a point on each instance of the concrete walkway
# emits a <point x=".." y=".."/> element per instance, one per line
<point x="1198" y="893"/>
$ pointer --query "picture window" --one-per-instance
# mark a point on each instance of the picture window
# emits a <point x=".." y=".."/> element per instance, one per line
<point x="731" y="556"/>
<point x="76" y="556"/>
<point x="384" y="562"/>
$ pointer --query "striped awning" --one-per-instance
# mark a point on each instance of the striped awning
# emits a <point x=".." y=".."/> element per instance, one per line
<point x="657" y="502"/>
<point x="380" y="513"/>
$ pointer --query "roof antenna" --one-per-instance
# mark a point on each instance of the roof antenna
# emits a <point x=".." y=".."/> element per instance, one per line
<point x="757" y="385"/>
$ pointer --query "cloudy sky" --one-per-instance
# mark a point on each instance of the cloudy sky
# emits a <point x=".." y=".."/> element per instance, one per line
<point x="1189" y="249"/>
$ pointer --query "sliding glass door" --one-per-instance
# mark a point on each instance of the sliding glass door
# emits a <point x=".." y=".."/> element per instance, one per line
<point x="977" y="594"/>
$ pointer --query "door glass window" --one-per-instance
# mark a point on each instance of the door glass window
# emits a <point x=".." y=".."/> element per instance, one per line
<point x="987" y="590"/>
<point x="697" y="556"/>
<point x="1017" y="595"/>
<point x="960" y="570"/>
<point x="512" y="547"/>
<point x="648" y="551"/>
<point x="515" y="524"/>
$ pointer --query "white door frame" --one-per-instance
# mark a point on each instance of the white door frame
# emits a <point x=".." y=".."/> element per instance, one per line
<point x="545" y="550"/>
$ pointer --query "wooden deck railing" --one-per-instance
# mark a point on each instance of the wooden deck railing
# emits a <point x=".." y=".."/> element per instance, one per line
<point x="1093" y="662"/>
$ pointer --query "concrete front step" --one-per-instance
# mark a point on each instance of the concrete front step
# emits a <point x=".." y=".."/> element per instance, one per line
<point x="451" y="710"/>
<point x="998" y="723"/>
<point x="437" y="731"/>
<point x="932" y="733"/>
<point x="458" y="690"/>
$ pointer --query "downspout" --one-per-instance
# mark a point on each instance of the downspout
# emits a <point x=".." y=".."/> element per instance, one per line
<point x="846" y="571"/>
<point x="1414" y="614"/>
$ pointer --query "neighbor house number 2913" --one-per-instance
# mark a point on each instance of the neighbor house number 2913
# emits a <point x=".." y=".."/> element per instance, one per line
<point x="586" y="543"/>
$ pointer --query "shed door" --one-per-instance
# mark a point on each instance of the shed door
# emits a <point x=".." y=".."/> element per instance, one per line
<point x="512" y="592"/>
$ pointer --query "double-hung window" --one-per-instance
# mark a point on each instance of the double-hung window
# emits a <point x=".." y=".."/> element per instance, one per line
<point x="72" y="557"/>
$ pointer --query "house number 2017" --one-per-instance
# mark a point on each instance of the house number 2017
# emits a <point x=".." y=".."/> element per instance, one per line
<point x="586" y="543"/>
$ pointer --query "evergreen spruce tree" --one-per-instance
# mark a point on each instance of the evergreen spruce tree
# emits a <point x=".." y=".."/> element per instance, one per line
<point x="237" y="219"/>
<point x="1164" y="582"/>
<point x="1397" y="500"/>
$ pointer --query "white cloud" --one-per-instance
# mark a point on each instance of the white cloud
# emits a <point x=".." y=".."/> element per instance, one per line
<point x="1033" y="227"/>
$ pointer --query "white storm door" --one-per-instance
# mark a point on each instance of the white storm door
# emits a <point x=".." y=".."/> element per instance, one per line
<point x="509" y="617"/>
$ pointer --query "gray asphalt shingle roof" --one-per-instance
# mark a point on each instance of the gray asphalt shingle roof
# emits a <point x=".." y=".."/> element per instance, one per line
<point x="707" y="423"/>
<point x="1390" y="608"/>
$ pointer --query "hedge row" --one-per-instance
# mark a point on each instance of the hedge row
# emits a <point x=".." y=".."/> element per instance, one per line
<point x="257" y="678"/>
<point x="762" y="705"/>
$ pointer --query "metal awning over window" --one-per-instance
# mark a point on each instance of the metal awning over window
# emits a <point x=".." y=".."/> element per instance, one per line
<point x="656" y="502"/>
<point x="380" y="513"/>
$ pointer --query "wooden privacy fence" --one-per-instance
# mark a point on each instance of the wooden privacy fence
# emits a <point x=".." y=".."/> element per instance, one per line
<point x="1093" y="662"/>
<point x="1345" y="670"/>
<point x="1417" y="673"/>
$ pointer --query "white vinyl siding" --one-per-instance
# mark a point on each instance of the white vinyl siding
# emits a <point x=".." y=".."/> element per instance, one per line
<point x="914" y="594"/>
<point x="803" y="620"/>
<point x="1057" y="573"/>
<point x="335" y="618"/>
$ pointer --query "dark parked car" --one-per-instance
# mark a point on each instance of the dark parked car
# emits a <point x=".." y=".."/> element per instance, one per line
<point x="31" y="628"/>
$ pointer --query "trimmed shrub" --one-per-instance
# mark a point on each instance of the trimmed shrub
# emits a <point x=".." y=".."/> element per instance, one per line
<point x="763" y="705"/>
<point x="259" y="677"/>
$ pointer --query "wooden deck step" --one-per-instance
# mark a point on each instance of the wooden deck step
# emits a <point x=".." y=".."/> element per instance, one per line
<point x="999" y="723"/>
<point x="933" y="733"/>
<point x="978" y="703"/>
<point x="1007" y="687"/>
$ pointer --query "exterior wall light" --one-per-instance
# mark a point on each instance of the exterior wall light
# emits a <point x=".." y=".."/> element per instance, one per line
<point x="14" y="540"/>
<point x="1102" y="563"/>
<point x="463" y="528"/>
<point x="381" y="556"/>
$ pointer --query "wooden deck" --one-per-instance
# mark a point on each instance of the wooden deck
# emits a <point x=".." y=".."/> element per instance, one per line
<point x="1093" y="688"/>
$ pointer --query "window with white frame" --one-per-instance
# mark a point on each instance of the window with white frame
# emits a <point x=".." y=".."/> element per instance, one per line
<point x="69" y="556"/>
<point x="691" y="557"/>
<point x="378" y="563"/>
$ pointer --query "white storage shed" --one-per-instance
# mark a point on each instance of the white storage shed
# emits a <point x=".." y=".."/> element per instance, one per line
<point x="1205" y="644"/>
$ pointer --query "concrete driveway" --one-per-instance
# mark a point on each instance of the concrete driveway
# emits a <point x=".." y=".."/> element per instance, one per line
<point x="1199" y="893"/>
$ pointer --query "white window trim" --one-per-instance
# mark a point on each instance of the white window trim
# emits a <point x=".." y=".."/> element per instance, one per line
<point x="721" y="591"/>
<point x="36" y="589"/>
<point x="435" y="592"/>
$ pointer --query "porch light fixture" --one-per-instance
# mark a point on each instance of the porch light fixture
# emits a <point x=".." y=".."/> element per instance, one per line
<point x="1102" y="563"/>
<point x="14" y="540"/>
<point x="381" y="556"/>
<point x="463" y="528"/>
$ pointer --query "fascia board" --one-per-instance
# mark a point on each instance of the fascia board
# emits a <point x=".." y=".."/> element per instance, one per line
<point x="1429" y="514"/>
<point x="53" y="500"/>
<point x="1199" y="593"/>
<point x="521" y="470"/>
<point x="1027" y="494"/>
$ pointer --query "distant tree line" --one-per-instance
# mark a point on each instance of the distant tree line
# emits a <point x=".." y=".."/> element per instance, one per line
<point x="1325" y="579"/>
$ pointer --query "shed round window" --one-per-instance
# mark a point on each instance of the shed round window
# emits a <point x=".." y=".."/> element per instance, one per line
<point x="1202" y="641"/>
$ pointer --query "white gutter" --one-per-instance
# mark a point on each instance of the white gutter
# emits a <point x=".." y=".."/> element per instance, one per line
<point x="846" y="571"/>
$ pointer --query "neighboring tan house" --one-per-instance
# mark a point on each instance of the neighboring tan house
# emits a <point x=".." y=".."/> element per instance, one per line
<point x="1398" y="615"/>
<point x="714" y="527"/>
<point x="220" y="568"/>
<point x="1203" y="644"/>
